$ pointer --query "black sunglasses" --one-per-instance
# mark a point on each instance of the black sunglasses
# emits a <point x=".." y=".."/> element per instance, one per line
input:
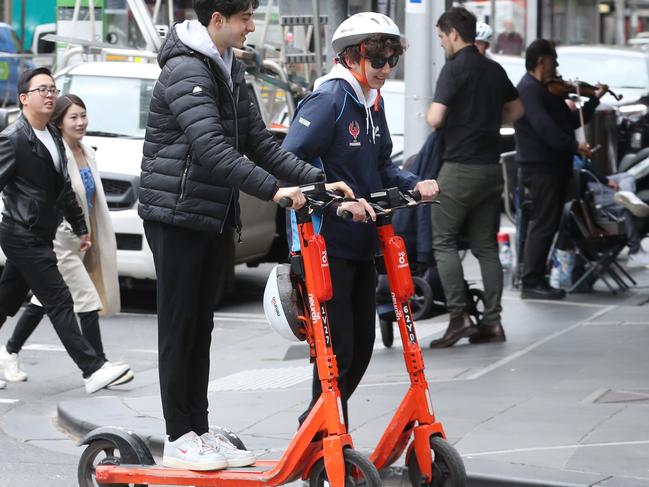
<point x="379" y="62"/>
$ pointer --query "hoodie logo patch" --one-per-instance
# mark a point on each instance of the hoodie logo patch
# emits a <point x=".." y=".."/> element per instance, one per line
<point x="354" y="129"/>
<point x="196" y="90"/>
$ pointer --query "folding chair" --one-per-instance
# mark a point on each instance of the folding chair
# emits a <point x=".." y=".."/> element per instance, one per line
<point x="596" y="246"/>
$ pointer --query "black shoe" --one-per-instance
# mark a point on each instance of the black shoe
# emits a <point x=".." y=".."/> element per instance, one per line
<point x="542" y="291"/>
<point x="489" y="334"/>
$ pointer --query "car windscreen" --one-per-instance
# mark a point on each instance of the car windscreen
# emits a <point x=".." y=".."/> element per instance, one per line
<point x="116" y="106"/>
<point x="615" y="71"/>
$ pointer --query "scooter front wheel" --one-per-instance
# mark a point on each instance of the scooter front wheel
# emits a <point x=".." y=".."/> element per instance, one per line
<point x="98" y="452"/>
<point x="358" y="471"/>
<point x="448" y="467"/>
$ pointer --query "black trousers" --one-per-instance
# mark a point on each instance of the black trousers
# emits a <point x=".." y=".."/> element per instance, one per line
<point x="188" y="264"/>
<point x="352" y="318"/>
<point x="33" y="315"/>
<point x="548" y="195"/>
<point x="31" y="264"/>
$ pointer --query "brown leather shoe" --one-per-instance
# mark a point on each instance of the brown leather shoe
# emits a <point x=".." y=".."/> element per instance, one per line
<point x="489" y="334"/>
<point x="459" y="327"/>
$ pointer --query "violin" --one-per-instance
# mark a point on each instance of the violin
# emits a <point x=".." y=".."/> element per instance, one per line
<point x="561" y="87"/>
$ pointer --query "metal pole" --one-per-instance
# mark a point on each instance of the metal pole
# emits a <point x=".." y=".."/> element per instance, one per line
<point x="423" y="62"/>
<point x="619" y="22"/>
<point x="21" y="62"/>
<point x="170" y="12"/>
<point x="336" y="14"/>
<point x="317" y="38"/>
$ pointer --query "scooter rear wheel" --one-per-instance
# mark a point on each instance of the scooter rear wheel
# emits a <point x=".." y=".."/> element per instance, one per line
<point x="99" y="452"/>
<point x="358" y="471"/>
<point x="448" y="467"/>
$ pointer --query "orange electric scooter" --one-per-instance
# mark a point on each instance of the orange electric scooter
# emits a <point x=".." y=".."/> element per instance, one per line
<point x="321" y="450"/>
<point x="430" y="459"/>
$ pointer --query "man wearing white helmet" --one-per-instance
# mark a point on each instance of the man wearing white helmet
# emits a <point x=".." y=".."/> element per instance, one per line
<point x="341" y="128"/>
<point x="483" y="37"/>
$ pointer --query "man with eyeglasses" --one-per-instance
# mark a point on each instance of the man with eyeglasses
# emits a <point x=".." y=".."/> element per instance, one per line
<point x="37" y="194"/>
<point x="341" y="128"/>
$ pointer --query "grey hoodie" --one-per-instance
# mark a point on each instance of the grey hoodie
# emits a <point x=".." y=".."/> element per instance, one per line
<point x="195" y="36"/>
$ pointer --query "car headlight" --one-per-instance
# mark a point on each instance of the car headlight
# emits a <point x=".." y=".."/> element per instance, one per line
<point x="633" y="111"/>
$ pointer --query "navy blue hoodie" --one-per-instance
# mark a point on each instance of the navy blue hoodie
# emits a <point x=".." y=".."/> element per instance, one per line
<point x="337" y="129"/>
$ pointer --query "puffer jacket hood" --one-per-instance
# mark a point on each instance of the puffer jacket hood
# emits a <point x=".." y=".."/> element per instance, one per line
<point x="194" y="35"/>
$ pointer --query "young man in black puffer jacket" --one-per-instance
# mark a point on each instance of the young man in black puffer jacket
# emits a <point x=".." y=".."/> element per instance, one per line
<point x="201" y="123"/>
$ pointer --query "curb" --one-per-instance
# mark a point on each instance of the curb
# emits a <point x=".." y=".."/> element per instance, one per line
<point x="480" y="473"/>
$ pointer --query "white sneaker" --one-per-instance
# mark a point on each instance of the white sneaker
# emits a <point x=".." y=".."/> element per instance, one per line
<point x="126" y="377"/>
<point x="190" y="452"/>
<point x="10" y="362"/>
<point x="3" y="384"/>
<point x="104" y="376"/>
<point x="639" y="259"/>
<point x="632" y="203"/>
<point x="234" y="456"/>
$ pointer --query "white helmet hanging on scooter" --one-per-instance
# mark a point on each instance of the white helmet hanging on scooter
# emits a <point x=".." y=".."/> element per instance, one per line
<point x="359" y="27"/>
<point x="280" y="304"/>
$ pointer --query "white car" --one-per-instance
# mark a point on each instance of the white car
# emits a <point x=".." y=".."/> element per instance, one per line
<point x="117" y="96"/>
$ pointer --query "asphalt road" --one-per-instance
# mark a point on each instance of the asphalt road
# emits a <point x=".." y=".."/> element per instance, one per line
<point x="33" y="451"/>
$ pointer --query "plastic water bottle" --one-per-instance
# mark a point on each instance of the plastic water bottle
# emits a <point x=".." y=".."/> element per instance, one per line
<point x="505" y="250"/>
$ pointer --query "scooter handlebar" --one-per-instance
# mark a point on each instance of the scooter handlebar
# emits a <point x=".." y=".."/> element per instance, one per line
<point x="415" y="194"/>
<point x="285" y="202"/>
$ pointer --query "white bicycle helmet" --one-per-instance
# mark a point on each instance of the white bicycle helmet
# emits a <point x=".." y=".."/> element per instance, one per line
<point x="483" y="32"/>
<point x="280" y="304"/>
<point x="359" y="27"/>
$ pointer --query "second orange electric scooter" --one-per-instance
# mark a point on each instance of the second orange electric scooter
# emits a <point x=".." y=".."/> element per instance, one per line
<point x="430" y="459"/>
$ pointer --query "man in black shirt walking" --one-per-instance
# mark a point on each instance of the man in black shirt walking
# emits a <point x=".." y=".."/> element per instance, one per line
<point x="472" y="99"/>
<point x="545" y="145"/>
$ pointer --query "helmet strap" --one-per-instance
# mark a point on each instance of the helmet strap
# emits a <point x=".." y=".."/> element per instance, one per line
<point x="362" y="78"/>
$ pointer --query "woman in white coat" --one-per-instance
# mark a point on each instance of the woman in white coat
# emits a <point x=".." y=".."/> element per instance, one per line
<point x="91" y="276"/>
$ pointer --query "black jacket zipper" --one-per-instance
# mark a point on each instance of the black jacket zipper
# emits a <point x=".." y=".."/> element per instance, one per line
<point x="183" y="180"/>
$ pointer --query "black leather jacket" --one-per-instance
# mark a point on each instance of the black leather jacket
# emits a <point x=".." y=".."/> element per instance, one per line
<point x="36" y="196"/>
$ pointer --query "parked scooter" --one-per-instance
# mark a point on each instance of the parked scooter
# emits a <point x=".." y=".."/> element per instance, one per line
<point x="321" y="450"/>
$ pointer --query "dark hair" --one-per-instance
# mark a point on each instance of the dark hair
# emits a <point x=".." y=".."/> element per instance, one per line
<point x="376" y="45"/>
<point x="62" y="106"/>
<point x="205" y="8"/>
<point x="26" y="76"/>
<point x="461" y="20"/>
<point x="536" y="50"/>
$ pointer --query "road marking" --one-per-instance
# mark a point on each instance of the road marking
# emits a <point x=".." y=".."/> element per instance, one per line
<point x="40" y="347"/>
<point x="8" y="401"/>
<point x="557" y="447"/>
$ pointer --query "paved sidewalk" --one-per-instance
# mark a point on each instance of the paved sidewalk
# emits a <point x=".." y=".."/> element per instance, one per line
<point x="564" y="402"/>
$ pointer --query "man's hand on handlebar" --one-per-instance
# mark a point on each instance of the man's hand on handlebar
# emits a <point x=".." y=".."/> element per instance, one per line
<point x="360" y="210"/>
<point x="294" y="194"/>
<point x="428" y="189"/>
<point x="341" y="187"/>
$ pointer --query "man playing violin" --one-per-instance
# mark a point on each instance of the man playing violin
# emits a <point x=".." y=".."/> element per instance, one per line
<point x="545" y="145"/>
